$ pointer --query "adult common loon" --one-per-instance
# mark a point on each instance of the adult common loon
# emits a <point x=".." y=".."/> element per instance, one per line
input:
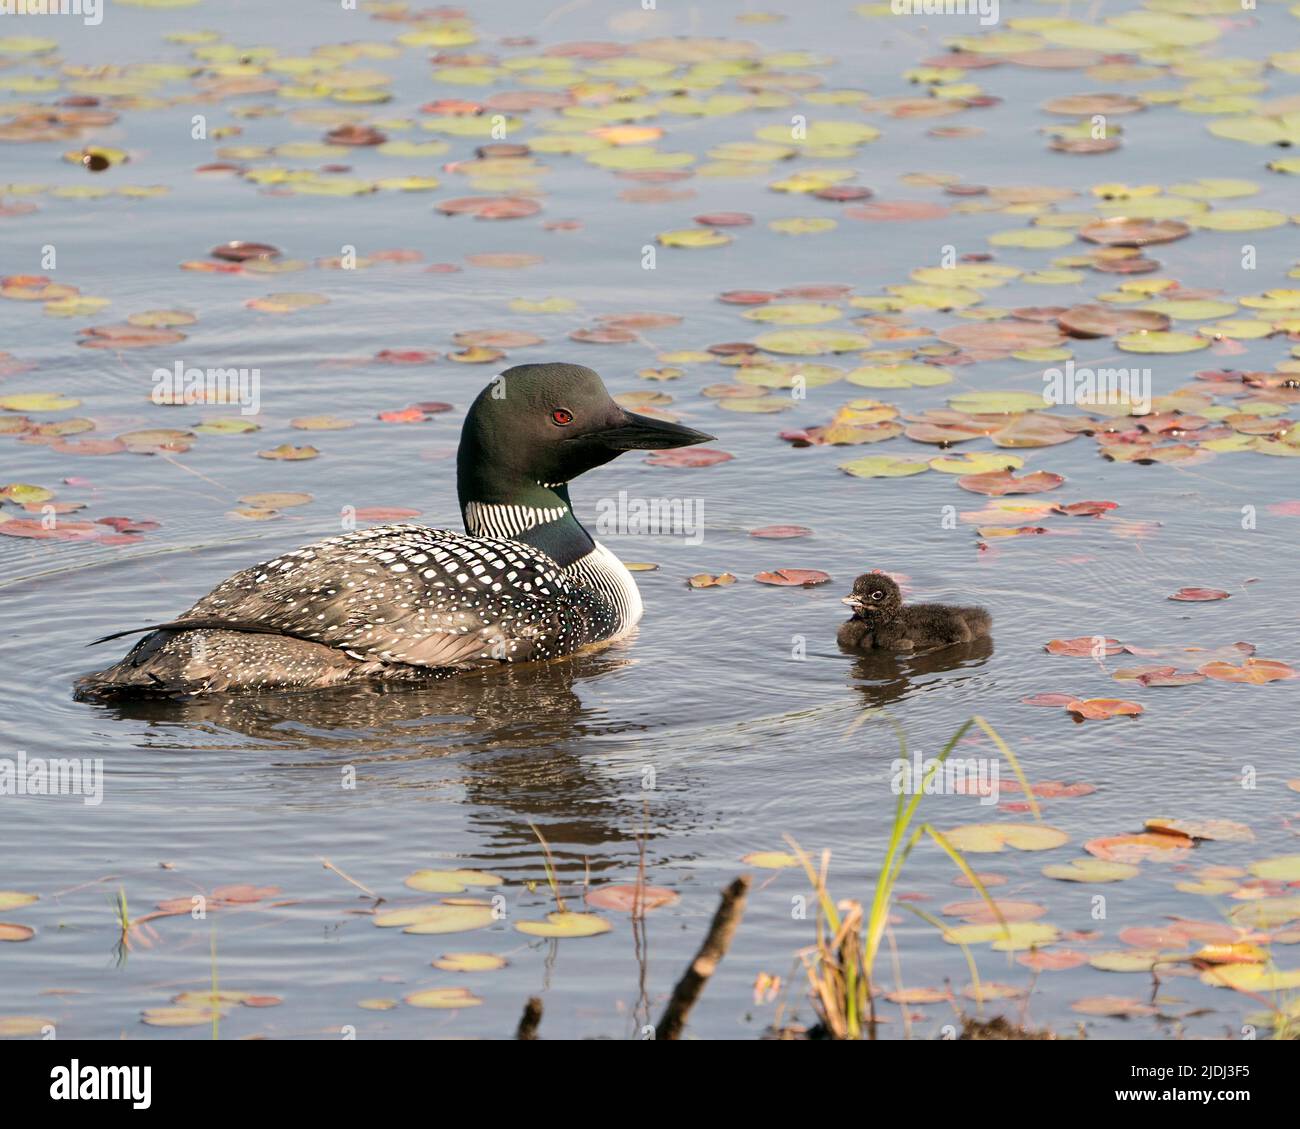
<point x="408" y="603"/>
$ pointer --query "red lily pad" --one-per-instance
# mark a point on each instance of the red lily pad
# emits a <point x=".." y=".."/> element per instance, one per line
<point x="128" y="337"/>
<point x="1082" y="645"/>
<point x="1055" y="700"/>
<point x="688" y="457"/>
<point x="999" y="482"/>
<point x="781" y="532"/>
<point x="1052" y="789"/>
<point x="496" y="338"/>
<point x="880" y="211"/>
<point x="355" y="135"/>
<point x="1099" y="709"/>
<point x="1120" y="231"/>
<point x="385" y="513"/>
<point x="1086" y="509"/>
<point x="631" y="898"/>
<point x="791" y="577"/>
<point x="403" y="415"/>
<point x="1120" y="1007"/>
<point x="1052" y="960"/>
<point x="1170" y="678"/>
<point x="288" y="452"/>
<point x="1140" y="847"/>
<point x="1253" y="671"/>
<point x="1199" y="595"/>
<point x="1001" y="337"/>
<point x="490" y="207"/>
<point x="1108" y="321"/>
<point x="406" y="356"/>
<point x="841" y="193"/>
<point x="725" y="219"/>
<point x="610" y="335"/>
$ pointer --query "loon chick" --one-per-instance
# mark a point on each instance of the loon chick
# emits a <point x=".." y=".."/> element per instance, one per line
<point x="408" y="603"/>
<point x="881" y="622"/>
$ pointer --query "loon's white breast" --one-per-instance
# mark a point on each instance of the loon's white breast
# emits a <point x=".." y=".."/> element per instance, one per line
<point x="602" y="572"/>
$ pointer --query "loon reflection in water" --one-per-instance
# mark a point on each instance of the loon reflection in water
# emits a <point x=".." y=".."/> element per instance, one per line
<point x="407" y="603"/>
<point x="515" y="747"/>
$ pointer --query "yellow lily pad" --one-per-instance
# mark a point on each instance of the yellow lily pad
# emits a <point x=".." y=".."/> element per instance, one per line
<point x="1015" y="936"/>
<point x="899" y="376"/>
<point x="449" y="881"/>
<point x="16" y="899"/>
<point x="803" y="225"/>
<point x="884" y="466"/>
<point x="180" y="1016"/>
<point x="470" y="962"/>
<point x="693" y="237"/>
<point x="993" y="402"/>
<point x="1193" y="310"/>
<point x="1239" y="219"/>
<point x="988" y="838"/>
<point x="565" y="924"/>
<point x="1031" y="238"/>
<point x="544" y="306"/>
<point x="1251" y="977"/>
<point x="19" y="1026"/>
<point x="976" y="462"/>
<point x="1282" y="868"/>
<point x="770" y="860"/>
<point x="436" y="918"/>
<point x="443" y="998"/>
<point x="794" y="313"/>
<point x="1161" y="341"/>
<point x="820" y="133"/>
<point x="38" y="402"/>
<point x="1090" y="870"/>
<point x="812" y="342"/>
<point x="1239" y="329"/>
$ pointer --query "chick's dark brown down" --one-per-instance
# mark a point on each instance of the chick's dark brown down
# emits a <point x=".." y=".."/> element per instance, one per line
<point x="881" y="621"/>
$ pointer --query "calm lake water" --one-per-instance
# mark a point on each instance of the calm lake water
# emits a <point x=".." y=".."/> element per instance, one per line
<point x="733" y="702"/>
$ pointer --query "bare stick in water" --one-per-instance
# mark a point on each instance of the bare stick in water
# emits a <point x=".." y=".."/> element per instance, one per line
<point x="531" y="1019"/>
<point x="348" y="878"/>
<point x="716" y="943"/>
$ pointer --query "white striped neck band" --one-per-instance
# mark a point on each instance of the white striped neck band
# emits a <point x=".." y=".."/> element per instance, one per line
<point x="492" y="519"/>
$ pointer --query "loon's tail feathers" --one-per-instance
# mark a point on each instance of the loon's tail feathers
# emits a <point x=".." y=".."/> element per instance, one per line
<point x="192" y="624"/>
<point x="191" y="657"/>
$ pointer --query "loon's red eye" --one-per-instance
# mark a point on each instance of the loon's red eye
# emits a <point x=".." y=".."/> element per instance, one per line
<point x="562" y="416"/>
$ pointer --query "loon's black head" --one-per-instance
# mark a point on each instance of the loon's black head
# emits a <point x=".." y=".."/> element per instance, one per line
<point x="874" y="596"/>
<point x="543" y="425"/>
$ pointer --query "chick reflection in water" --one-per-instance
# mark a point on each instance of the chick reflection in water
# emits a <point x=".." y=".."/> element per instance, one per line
<point x="513" y="746"/>
<point x="883" y="677"/>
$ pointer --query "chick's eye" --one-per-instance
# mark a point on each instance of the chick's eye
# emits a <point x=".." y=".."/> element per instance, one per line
<point x="562" y="416"/>
<point x="877" y="595"/>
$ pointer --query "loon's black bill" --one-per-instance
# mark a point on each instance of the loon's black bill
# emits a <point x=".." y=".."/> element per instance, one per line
<point x="645" y="433"/>
<point x="852" y="601"/>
